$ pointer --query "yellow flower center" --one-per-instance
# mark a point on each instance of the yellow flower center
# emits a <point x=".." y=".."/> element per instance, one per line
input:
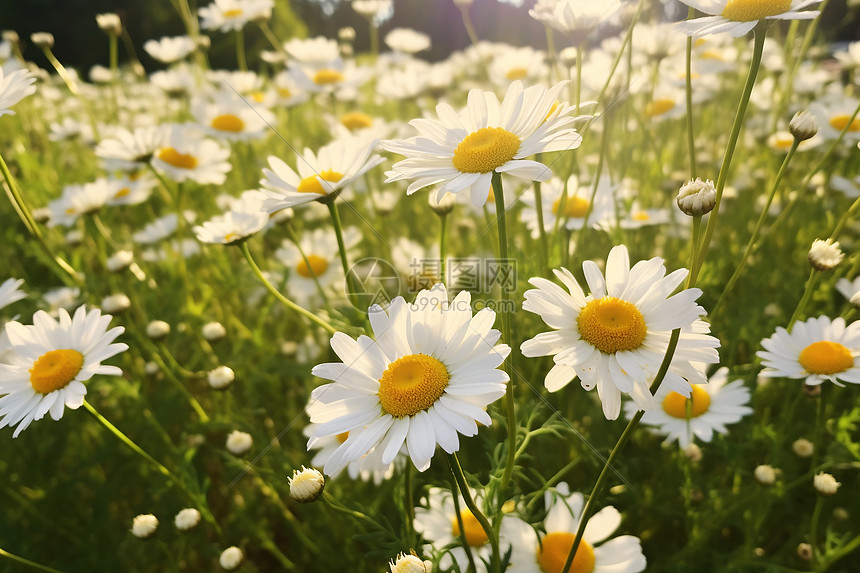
<point x="640" y="216"/>
<point x="55" y="369"/>
<point x="659" y="107"/>
<point x="312" y="185"/>
<point x="356" y="120"/>
<point x="712" y="55"/>
<point x="574" y="207"/>
<point x="553" y="550"/>
<point x="516" y="74"/>
<point x="484" y="150"/>
<point x="228" y="122"/>
<point x="749" y="10"/>
<point x="234" y="13"/>
<point x="474" y="533"/>
<point x="675" y="404"/>
<point x="327" y="76"/>
<point x="230" y="237"/>
<point x="258" y="96"/>
<point x="284" y="92"/>
<point x="412" y="384"/>
<point x="783" y="142"/>
<point x="180" y="160"/>
<point x="825" y="357"/>
<point x="315" y="267"/>
<point x="70" y="211"/>
<point x="611" y="324"/>
<point x="840" y="121"/>
<point x="122" y="193"/>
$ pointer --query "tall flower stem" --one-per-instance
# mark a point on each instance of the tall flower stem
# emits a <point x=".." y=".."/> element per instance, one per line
<point x="624" y="45"/>
<point x="760" y="33"/>
<point x="27" y="562"/>
<point x="61" y="71"/>
<point x="198" y="499"/>
<point x="544" y="244"/>
<point x="691" y="145"/>
<point x="804" y="300"/>
<point x="287" y="302"/>
<point x="510" y="412"/>
<point x="354" y="288"/>
<point x="616" y="450"/>
<point x="460" y="478"/>
<point x="739" y="269"/>
<point x="458" y="513"/>
<point x="443" y="240"/>
<point x="240" y="50"/>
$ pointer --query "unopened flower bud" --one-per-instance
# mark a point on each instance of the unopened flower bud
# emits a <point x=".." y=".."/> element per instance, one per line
<point x="824" y="255"/>
<point x="825" y="484"/>
<point x="697" y="198"/>
<point x="221" y="377"/>
<point x="10" y="36"/>
<point x="151" y="368"/>
<point x="231" y="558"/>
<point x="444" y="205"/>
<point x="239" y="442"/>
<point x="119" y="260"/>
<point x="42" y="40"/>
<point x="408" y="564"/>
<point x="346" y="34"/>
<point x="144" y="526"/>
<point x="804" y="551"/>
<point x="157" y="329"/>
<point x="693" y="452"/>
<point x="187" y="519"/>
<point x="803" y="448"/>
<point x="803" y="126"/>
<point x="213" y="331"/>
<point x="306" y="485"/>
<point x="110" y="23"/>
<point x="765" y="475"/>
<point x="115" y="303"/>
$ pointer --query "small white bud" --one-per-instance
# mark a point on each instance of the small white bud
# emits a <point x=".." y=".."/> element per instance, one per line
<point x="803" y="448"/>
<point x="151" y="368"/>
<point x="306" y="485"/>
<point x="765" y="475"/>
<point x="824" y="255"/>
<point x="157" y="329"/>
<point x="693" y="452"/>
<point x="231" y="558"/>
<point x="221" y="377"/>
<point x="444" y="205"/>
<point x="110" y="23"/>
<point x="804" y="551"/>
<point x="346" y="34"/>
<point x="42" y="40"/>
<point x="408" y="564"/>
<point x="119" y="260"/>
<point x="187" y="519"/>
<point x="115" y="303"/>
<point x="213" y="331"/>
<point x="239" y="442"/>
<point x="697" y="197"/>
<point x="144" y="526"/>
<point x="803" y="126"/>
<point x="825" y="484"/>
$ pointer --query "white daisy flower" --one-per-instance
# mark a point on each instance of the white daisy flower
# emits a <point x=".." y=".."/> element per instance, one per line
<point x="321" y="175"/>
<point x="14" y="87"/>
<point x="227" y="15"/>
<point x="817" y="350"/>
<point x="168" y="50"/>
<point x="597" y="553"/>
<point x="514" y="64"/>
<point x="316" y="52"/>
<point x="846" y="288"/>
<point x="9" y="292"/>
<point x="428" y="377"/>
<point x="571" y="213"/>
<point x="407" y="41"/>
<point x="230" y="117"/>
<point x="737" y="17"/>
<point x="832" y="115"/>
<point x="708" y="409"/>
<point x="368" y="468"/>
<point x="127" y="150"/>
<point x="581" y="15"/>
<point x="320" y="265"/>
<point x="462" y="150"/>
<point x="439" y="525"/>
<point x="639" y="217"/>
<point x="231" y="227"/>
<point x="336" y="77"/>
<point x="186" y="156"/>
<point x="78" y="200"/>
<point x="49" y="362"/>
<point x="617" y="336"/>
<point x="160" y="228"/>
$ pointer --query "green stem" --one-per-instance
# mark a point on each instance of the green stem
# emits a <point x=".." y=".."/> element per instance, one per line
<point x="804" y="47"/>
<point x="270" y="36"/>
<point x="27" y="562"/>
<point x="739" y="269"/>
<point x="760" y="33"/>
<point x="409" y="502"/>
<point x="510" y="413"/>
<point x="443" y="239"/>
<point x="580" y="50"/>
<point x="197" y="499"/>
<point x="287" y="302"/>
<point x="807" y="294"/>
<point x="456" y="498"/>
<point x="627" y="40"/>
<point x="295" y="239"/>
<point x="240" y="50"/>
<point x="460" y="478"/>
<point x="63" y="73"/>
<point x="622" y="441"/>
<point x="550" y="50"/>
<point x="114" y="57"/>
<point x="847" y="216"/>
<point x="813" y="526"/>
<point x="544" y="243"/>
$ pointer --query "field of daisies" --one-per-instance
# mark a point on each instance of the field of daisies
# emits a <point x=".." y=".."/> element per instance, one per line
<point x="588" y="308"/>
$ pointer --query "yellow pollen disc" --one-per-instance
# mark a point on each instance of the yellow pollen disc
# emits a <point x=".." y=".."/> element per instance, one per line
<point x="317" y="268"/>
<point x="54" y="369"/>
<point x="176" y="159"/>
<point x="475" y="535"/>
<point x="234" y="13"/>
<point x="553" y="550"/>
<point x="230" y="237"/>
<point x="675" y="404"/>
<point x="228" y="122"/>
<point x="700" y="42"/>
<point x="783" y="142"/>
<point x="484" y="150"/>
<point x="312" y="185"/>
<point x="356" y="120"/>
<point x="284" y="92"/>
<point x="122" y="193"/>
<point x="611" y="324"/>
<point x="516" y="74"/>
<point x="258" y="96"/>
<point x="640" y="216"/>
<point x="327" y="76"/>
<point x="412" y="384"/>
<point x="825" y="357"/>
<point x="659" y="107"/>
<point x="341" y="438"/>
<point x="840" y="121"/>
<point x="711" y="55"/>
<point x="70" y="210"/>
<point x="749" y="10"/>
<point x="574" y="207"/>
